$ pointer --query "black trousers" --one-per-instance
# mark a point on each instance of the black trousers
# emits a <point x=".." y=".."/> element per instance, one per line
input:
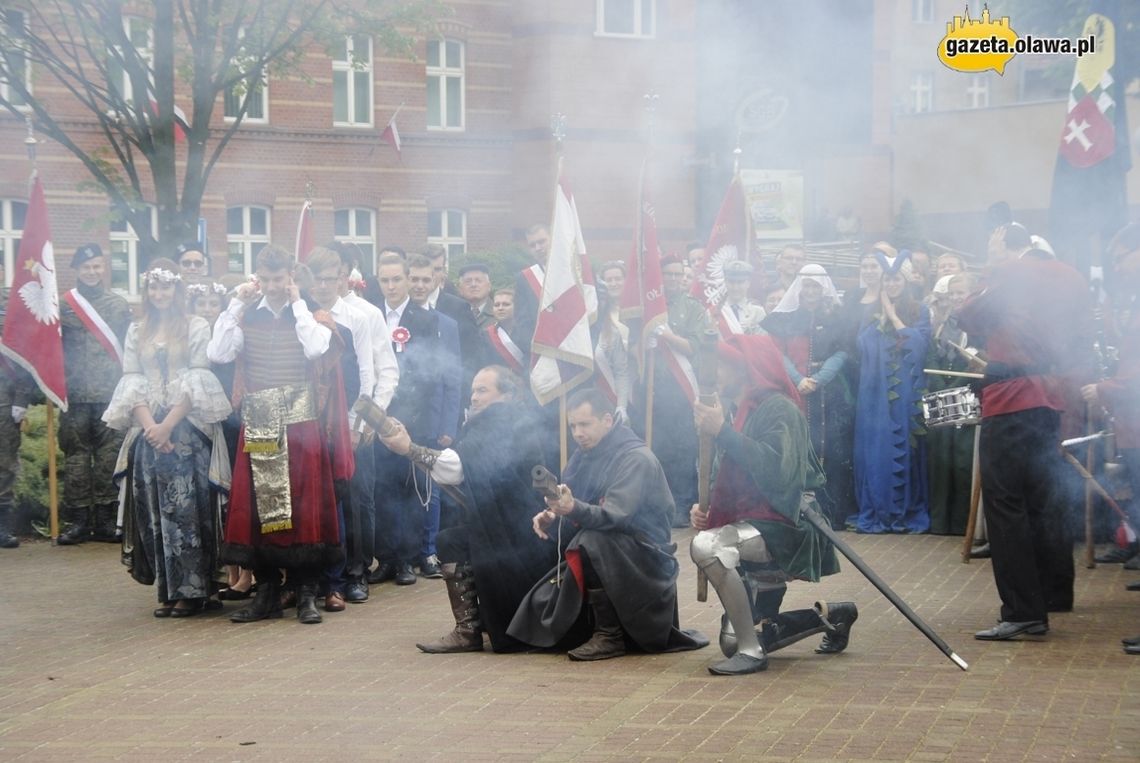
<point x="399" y="513"/>
<point x="1030" y="538"/>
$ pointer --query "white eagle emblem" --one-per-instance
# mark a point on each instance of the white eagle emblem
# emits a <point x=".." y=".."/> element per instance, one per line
<point x="41" y="296"/>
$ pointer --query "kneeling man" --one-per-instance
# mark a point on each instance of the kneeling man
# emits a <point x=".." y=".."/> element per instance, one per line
<point x="753" y="536"/>
<point x="615" y="511"/>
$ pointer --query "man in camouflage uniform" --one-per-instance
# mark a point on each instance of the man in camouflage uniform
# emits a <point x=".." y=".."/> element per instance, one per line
<point x="94" y="321"/>
<point x="16" y="388"/>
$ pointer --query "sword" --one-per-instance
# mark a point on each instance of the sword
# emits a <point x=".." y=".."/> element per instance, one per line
<point x="824" y="527"/>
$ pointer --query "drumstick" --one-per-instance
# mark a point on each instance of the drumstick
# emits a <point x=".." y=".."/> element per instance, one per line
<point x="964" y="374"/>
<point x="969" y="354"/>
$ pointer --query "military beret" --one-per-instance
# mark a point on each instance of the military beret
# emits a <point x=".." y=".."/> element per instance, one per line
<point x="85" y="253"/>
<point x="737" y="270"/>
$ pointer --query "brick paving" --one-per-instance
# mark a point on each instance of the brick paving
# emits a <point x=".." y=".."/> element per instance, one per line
<point x="87" y="674"/>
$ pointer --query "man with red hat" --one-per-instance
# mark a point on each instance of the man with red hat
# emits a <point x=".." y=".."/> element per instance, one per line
<point x="753" y="537"/>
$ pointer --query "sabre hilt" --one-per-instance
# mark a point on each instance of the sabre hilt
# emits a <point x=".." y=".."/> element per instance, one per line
<point x="544" y="482"/>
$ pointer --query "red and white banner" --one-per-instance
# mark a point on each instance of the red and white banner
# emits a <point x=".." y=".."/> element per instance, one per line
<point x="305" y="240"/>
<point x="94" y="323"/>
<point x="562" y="353"/>
<point x="391" y="136"/>
<point x="728" y="241"/>
<point x="643" y="295"/>
<point x="32" y="336"/>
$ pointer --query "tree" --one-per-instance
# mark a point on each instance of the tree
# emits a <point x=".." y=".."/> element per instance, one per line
<point x="1066" y="18"/>
<point x="907" y="231"/>
<point x="124" y="80"/>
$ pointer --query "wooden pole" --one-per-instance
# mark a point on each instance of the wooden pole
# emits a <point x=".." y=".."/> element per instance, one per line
<point x="975" y="498"/>
<point x="1090" y="541"/>
<point x="563" y="445"/>
<point x="650" y="367"/>
<point x="53" y="487"/>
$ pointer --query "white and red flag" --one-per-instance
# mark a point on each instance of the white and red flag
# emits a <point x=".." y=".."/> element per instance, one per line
<point x="391" y="135"/>
<point x="643" y="304"/>
<point x="728" y="241"/>
<point x="32" y="336"/>
<point x="562" y="352"/>
<point x="305" y="241"/>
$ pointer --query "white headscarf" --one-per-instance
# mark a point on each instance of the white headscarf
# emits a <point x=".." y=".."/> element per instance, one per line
<point x="791" y="301"/>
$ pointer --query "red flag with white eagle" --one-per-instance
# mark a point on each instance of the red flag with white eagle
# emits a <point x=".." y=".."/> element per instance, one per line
<point x="305" y="239"/>
<point x="562" y="352"/>
<point x="643" y="304"/>
<point x="728" y="241"/>
<point x="32" y="336"/>
<point x="1089" y="199"/>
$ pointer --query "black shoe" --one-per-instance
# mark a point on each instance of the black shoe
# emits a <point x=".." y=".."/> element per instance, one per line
<point x="840" y="617"/>
<point x="1006" y="630"/>
<point x="429" y="567"/>
<point x="307" y="612"/>
<point x="980" y="552"/>
<point x="404" y="574"/>
<point x="1116" y="555"/>
<point x="1132" y="649"/>
<point x="1133" y="586"/>
<point x="356" y="592"/>
<point x="194" y="607"/>
<point x="73" y="535"/>
<point x="382" y="574"/>
<point x="7" y="540"/>
<point x="1134" y="641"/>
<point x="1133" y="563"/>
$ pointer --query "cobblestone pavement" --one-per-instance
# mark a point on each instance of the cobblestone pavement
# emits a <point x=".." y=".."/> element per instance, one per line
<point x="86" y="673"/>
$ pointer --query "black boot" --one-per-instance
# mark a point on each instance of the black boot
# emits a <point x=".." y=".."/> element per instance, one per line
<point x="77" y="532"/>
<point x="834" y="620"/>
<point x="467" y="635"/>
<point x="307" y="612"/>
<point x="7" y="539"/>
<point x="266" y="602"/>
<point x="608" y="639"/>
<point x="104" y="529"/>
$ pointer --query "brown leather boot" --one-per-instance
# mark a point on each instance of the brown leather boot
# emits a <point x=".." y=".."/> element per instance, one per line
<point x="467" y="636"/>
<point x="608" y="639"/>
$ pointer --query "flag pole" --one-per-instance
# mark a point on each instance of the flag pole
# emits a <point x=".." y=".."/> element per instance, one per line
<point x="649" y="101"/>
<point x="53" y="485"/>
<point x="558" y="131"/>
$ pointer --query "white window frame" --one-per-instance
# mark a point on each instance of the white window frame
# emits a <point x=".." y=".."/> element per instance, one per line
<point x="443" y="73"/>
<point x="448" y="238"/>
<point x="128" y="239"/>
<point x="978" y="97"/>
<point x="922" y="11"/>
<point x="355" y="66"/>
<point x="922" y="84"/>
<point x="245" y="241"/>
<point x="643" y="30"/>
<point x="126" y="87"/>
<point x="10" y="235"/>
<point x="354" y="236"/>
<point x="249" y="117"/>
<point x="5" y="92"/>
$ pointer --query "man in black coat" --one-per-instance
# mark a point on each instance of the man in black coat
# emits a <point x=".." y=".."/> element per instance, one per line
<point x="492" y="557"/>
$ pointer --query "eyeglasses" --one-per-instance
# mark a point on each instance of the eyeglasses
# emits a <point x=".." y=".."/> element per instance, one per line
<point x="192" y="264"/>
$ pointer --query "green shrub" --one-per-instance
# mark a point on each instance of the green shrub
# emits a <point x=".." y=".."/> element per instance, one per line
<point x="32" y="481"/>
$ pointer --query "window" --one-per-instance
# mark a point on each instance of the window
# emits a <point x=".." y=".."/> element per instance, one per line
<point x="922" y="11"/>
<point x="141" y="36"/>
<point x="15" y="57"/>
<point x="627" y="18"/>
<point x="352" y="82"/>
<point x="247" y="233"/>
<point x="358" y="226"/>
<point x="978" y="93"/>
<point x="922" y="93"/>
<point x="448" y="227"/>
<point x="257" y="93"/>
<point x="12" y="216"/>
<point x="1043" y="84"/>
<point x="125" y="254"/>
<point x="445" y="85"/>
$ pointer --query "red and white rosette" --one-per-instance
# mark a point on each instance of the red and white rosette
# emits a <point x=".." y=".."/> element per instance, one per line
<point x="400" y="337"/>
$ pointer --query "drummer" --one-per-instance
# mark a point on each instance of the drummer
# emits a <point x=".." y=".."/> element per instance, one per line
<point x="950" y="449"/>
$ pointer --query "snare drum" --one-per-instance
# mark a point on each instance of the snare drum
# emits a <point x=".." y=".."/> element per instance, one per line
<point x="957" y="406"/>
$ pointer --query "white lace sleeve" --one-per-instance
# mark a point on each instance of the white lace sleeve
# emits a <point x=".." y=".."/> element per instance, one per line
<point x="133" y="388"/>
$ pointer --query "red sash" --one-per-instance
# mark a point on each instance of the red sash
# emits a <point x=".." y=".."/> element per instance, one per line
<point x="95" y="324"/>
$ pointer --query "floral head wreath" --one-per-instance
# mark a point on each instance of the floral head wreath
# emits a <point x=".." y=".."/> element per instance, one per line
<point x="160" y="275"/>
<point x="201" y="289"/>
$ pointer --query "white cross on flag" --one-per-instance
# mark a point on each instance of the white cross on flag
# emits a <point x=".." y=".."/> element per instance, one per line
<point x="1089" y="134"/>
